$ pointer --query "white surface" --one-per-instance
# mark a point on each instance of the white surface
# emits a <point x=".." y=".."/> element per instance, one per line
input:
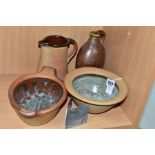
<point x="110" y="86"/>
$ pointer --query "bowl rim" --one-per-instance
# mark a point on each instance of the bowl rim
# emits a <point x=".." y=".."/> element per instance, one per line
<point x="122" y="87"/>
<point x="26" y="113"/>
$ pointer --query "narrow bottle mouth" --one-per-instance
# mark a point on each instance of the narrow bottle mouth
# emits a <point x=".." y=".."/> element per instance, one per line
<point x="95" y="34"/>
<point x="54" y="41"/>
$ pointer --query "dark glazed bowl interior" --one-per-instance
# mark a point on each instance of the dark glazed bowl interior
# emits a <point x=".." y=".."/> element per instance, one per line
<point x="37" y="94"/>
<point x="93" y="87"/>
<point x="54" y="41"/>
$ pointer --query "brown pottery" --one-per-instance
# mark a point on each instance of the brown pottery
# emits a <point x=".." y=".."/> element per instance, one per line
<point x="54" y="53"/>
<point x="38" y="97"/>
<point x="92" y="53"/>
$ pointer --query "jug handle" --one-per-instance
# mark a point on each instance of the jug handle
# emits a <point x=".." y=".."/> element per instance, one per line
<point x="72" y="53"/>
<point x="102" y="35"/>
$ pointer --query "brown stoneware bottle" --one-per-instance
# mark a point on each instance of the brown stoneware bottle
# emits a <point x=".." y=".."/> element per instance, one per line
<point x="92" y="53"/>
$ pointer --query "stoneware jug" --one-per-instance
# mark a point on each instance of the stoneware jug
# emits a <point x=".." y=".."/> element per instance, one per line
<point x="92" y="53"/>
<point x="54" y="53"/>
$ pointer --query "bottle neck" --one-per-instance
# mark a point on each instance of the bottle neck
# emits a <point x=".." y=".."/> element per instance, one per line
<point x="94" y="39"/>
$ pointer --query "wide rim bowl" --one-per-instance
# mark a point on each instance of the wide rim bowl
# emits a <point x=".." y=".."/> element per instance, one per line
<point x="122" y="87"/>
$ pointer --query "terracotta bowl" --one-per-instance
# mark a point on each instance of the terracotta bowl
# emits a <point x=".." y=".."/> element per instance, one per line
<point x="37" y="98"/>
<point x="87" y="86"/>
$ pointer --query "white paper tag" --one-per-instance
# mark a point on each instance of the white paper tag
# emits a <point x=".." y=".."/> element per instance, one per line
<point x="110" y="86"/>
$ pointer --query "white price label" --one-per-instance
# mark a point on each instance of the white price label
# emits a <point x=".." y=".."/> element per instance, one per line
<point x="110" y="84"/>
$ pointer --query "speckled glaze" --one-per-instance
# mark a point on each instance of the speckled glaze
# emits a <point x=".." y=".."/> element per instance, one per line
<point x="93" y="87"/>
<point x="38" y="100"/>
